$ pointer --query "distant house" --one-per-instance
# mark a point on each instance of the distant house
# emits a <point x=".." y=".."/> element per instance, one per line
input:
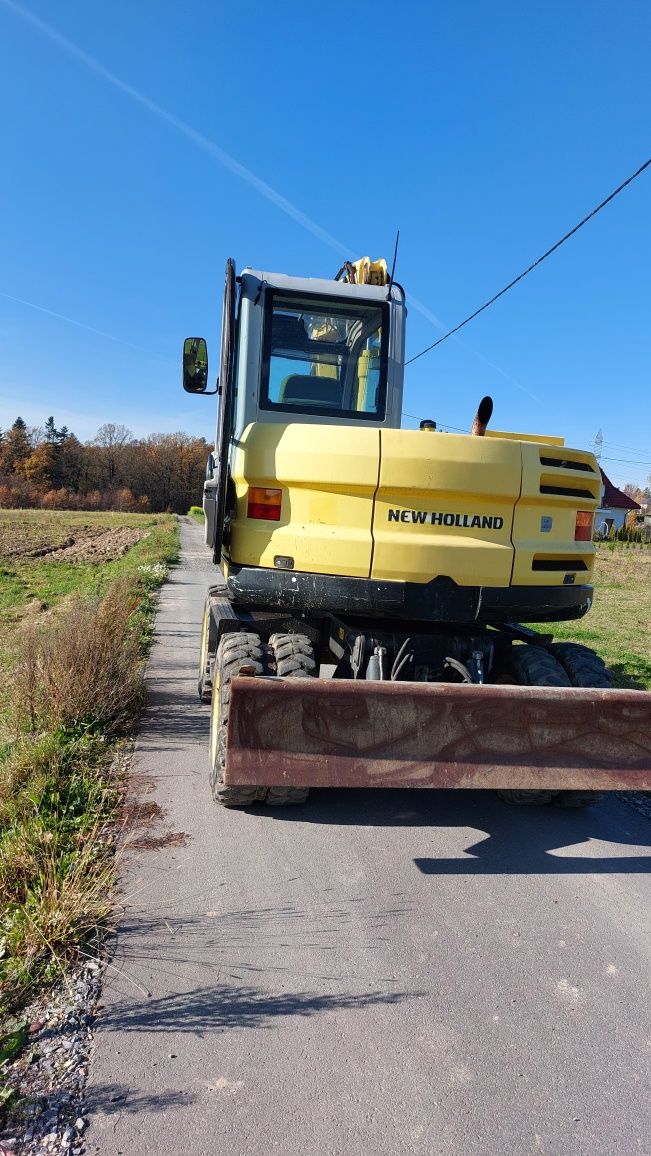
<point x="614" y="507"/>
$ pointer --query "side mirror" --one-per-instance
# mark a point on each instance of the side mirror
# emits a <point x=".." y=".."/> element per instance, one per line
<point x="195" y="365"/>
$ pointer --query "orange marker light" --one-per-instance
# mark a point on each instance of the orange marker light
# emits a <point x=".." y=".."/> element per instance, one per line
<point x="583" y="528"/>
<point x="264" y="504"/>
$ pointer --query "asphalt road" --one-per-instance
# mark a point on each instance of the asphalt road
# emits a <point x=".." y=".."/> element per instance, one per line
<point x="371" y="973"/>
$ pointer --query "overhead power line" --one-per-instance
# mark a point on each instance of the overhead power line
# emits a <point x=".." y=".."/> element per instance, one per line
<point x="440" y="423"/>
<point x="531" y="267"/>
<point x="626" y="461"/>
<point x="605" y="458"/>
<point x="626" y="449"/>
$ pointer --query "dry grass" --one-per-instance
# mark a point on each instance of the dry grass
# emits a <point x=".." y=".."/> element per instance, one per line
<point x="73" y="688"/>
<point x="84" y="670"/>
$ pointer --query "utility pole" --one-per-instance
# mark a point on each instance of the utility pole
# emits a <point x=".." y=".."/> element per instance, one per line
<point x="598" y="445"/>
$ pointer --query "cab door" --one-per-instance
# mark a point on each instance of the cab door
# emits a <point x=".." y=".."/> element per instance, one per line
<point x="216" y="488"/>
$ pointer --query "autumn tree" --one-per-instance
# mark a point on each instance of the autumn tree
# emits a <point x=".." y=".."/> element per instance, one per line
<point x="52" y="464"/>
<point x="71" y="460"/>
<point x="15" y="447"/>
<point x="40" y="467"/>
<point x="48" y="466"/>
<point x="172" y="467"/>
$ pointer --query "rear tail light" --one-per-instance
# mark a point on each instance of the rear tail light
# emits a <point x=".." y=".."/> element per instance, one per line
<point x="583" y="528"/>
<point x="264" y="504"/>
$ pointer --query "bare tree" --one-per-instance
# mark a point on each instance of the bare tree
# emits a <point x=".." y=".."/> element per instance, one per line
<point x="111" y="440"/>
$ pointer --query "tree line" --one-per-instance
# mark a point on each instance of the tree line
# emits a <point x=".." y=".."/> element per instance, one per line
<point x="49" y="468"/>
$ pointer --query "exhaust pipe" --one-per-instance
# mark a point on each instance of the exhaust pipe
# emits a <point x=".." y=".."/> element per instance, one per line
<point x="482" y="417"/>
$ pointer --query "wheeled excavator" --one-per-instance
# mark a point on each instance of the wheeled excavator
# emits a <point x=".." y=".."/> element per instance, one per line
<point x="383" y="596"/>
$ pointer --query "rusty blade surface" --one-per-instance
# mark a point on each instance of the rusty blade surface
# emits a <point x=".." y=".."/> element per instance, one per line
<point x="343" y="733"/>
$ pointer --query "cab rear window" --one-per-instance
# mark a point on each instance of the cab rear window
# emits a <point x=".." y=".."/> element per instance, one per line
<point x="324" y="357"/>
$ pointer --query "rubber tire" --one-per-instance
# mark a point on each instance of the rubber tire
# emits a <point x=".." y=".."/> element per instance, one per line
<point x="583" y="668"/>
<point x="234" y="651"/>
<point x="293" y="657"/>
<point x="205" y="691"/>
<point x="529" y="665"/>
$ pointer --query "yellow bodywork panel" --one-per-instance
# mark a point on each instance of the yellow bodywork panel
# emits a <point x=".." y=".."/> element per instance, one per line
<point x="328" y="476"/>
<point x="556" y="482"/>
<point x="411" y="505"/>
<point x="544" y="439"/>
<point x="444" y="507"/>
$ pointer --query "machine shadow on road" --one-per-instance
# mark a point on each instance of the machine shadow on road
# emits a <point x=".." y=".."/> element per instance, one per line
<point x="505" y="840"/>
<point x="236" y="953"/>
<point x="219" y="1006"/>
<point x="171" y="722"/>
<point x="108" y="1099"/>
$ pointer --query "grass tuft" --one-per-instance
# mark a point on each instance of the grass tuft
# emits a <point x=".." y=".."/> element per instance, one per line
<point x="83" y="673"/>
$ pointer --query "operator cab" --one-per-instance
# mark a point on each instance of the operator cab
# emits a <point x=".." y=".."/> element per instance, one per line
<point x="318" y="352"/>
<point x="309" y="350"/>
<point x="303" y="351"/>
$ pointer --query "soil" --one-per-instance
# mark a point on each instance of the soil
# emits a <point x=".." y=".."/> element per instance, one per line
<point x="88" y="544"/>
<point x="55" y="541"/>
<point x="102" y="547"/>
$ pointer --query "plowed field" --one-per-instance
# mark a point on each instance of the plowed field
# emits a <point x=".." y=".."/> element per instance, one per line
<point x="45" y="556"/>
<point x="62" y="536"/>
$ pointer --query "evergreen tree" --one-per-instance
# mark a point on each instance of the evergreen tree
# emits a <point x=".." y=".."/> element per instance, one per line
<point x="15" y="446"/>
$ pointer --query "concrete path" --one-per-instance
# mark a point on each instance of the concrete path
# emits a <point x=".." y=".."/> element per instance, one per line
<point x="370" y="973"/>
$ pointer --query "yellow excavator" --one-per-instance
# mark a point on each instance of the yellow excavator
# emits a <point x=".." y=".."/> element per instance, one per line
<point x="373" y="625"/>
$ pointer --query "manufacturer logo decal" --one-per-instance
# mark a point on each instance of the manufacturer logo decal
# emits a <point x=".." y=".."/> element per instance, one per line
<point x="432" y="518"/>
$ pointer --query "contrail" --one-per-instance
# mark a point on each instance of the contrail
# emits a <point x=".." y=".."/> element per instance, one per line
<point x="436" y="321"/>
<point x="203" y="142"/>
<point x="502" y="372"/>
<point x="218" y="153"/>
<point x="82" y="325"/>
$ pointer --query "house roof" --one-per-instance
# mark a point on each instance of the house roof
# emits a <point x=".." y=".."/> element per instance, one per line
<point x="616" y="499"/>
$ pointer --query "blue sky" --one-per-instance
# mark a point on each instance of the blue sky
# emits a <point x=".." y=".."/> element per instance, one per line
<point x="146" y="141"/>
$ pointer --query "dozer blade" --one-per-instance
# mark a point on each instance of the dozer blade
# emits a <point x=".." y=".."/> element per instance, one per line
<point x="346" y="733"/>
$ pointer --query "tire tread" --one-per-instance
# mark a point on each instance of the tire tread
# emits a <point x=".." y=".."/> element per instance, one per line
<point x="293" y="655"/>
<point x="234" y="652"/>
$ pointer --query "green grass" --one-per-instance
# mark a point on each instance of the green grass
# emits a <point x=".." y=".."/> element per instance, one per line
<point x="31" y="584"/>
<point x="617" y="627"/>
<point x="197" y="513"/>
<point x="24" y="577"/>
<point x="74" y="638"/>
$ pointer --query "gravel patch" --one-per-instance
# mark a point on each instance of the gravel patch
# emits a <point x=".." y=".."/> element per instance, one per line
<point x="49" y="1076"/>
